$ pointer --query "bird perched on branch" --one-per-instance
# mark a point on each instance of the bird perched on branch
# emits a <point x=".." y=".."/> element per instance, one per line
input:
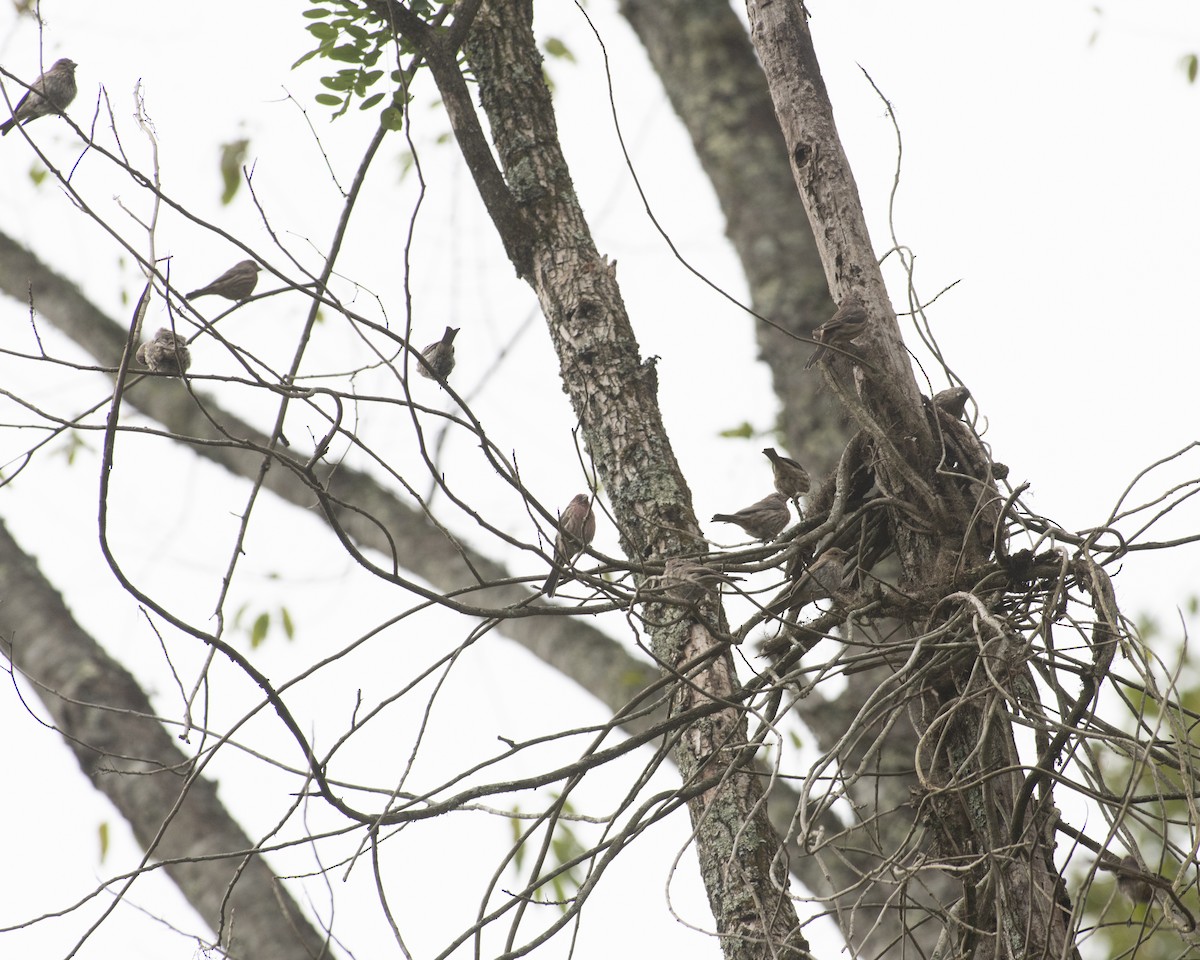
<point x="825" y="577"/>
<point x="440" y="356"/>
<point x="236" y="283"/>
<point x="791" y="479"/>
<point x="844" y="326"/>
<point x="691" y="580"/>
<point x="953" y="400"/>
<point x="576" y="527"/>
<point x="165" y="352"/>
<point x="52" y="92"/>
<point x="763" y="520"/>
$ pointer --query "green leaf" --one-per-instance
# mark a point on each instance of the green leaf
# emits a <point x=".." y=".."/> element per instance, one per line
<point x="371" y="101"/>
<point x="743" y="431"/>
<point x="258" y="633"/>
<point x="345" y="54"/>
<point x="322" y="31"/>
<point x="103" y="831"/>
<point x="392" y="119"/>
<point x="328" y="99"/>
<point x="37" y="174"/>
<point x="554" y="47"/>
<point x="316" y="13"/>
<point x="1191" y="65"/>
<point x="307" y="56"/>
<point x="289" y="628"/>
<point x="233" y="155"/>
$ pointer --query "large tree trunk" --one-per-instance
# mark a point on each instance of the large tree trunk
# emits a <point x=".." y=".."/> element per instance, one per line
<point x="1016" y="900"/>
<point x="123" y="748"/>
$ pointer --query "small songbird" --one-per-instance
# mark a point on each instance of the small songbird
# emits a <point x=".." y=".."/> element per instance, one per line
<point x="691" y="580"/>
<point x="576" y="527"/>
<point x="440" y="356"/>
<point x="825" y="577"/>
<point x="791" y="479"/>
<point x="953" y="400"/>
<point x="1131" y="880"/>
<point x="236" y="283"/>
<point x="52" y="92"/>
<point x="844" y="326"/>
<point x="763" y="520"/>
<point x="165" y="352"/>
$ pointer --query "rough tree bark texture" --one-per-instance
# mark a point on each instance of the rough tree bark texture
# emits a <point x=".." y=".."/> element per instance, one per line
<point x="121" y="746"/>
<point x="703" y="56"/>
<point x="614" y="396"/>
<point x="1015" y="900"/>
<point x="700" y="51"/>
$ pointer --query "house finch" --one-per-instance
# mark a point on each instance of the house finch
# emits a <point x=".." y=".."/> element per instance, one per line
<point x="49" y="93"/>
<point x="441" y="358"/>
<point x="953" y="400"/>
<point x="848" y="323"/>
<point x="791" y="479"/>
<point x="764" y="520"/>
<point x="576" y="527"/>
<point x="825" y="577"/>
<point x="690" y="580"/>
<point x="165" y="352"/>
<point x="1131" y="880"/>
<point x="236" y="283"/>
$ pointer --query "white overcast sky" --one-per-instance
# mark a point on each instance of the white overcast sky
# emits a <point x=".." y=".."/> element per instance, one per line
<point x="1050" y="155"/>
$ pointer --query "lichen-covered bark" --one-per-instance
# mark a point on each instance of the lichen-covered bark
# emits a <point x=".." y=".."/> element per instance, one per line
<point x="614" y="395"/>
<point x="1015" y="905"/>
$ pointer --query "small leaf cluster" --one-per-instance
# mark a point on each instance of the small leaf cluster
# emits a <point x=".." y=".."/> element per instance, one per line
<point x="358" y="34"/>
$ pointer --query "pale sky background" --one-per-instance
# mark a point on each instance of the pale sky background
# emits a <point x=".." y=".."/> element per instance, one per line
<point x="1050" y="154"/>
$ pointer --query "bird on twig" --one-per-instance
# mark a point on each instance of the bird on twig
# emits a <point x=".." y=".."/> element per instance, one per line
<point x="844" y="326"/>
<point x="576" y="527"/>
<point x="791" y="479"/>
<point x="52" y="92"/>
<point x="691" y="580"/>
<point x="236" y="283"/>
<point x="165" y="352"/>
<point x="763" y="520"/>
<point x="440" y="357"/>
<point x="825" y="577"/>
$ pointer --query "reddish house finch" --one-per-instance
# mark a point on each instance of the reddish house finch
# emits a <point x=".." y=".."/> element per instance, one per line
<point x="49" y="93"/>
<point x="165" y="352"/>
<point x="576" y="527"/>
<point x="690" y="580"/>
<point x="441" y="358"/>
<point x="791" y="479"/>
<point x="826" y="577"/>
<point x="764" y="520"/>
<point x="848" y="323"/>
<point x="236" y="283"/>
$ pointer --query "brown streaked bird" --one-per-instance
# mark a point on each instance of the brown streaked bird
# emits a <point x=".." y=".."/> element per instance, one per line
<point x="953" y="400"/>
<point x="576" y="527"/>
<point x="165" y="352"/>
<point x="791" y="479"/>
<point x="844" y="326"/>
<point x="52" y="92"/>
<point x="691" y="580"/>
<point x="440" y="356"/>
<point x="236" y="283"/>
<point x="825" y="577"/>
<point x="763" y="520"/>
